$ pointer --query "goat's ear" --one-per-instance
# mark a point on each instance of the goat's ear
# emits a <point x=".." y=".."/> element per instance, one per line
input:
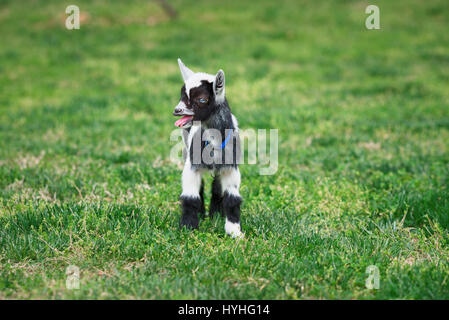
<point x="219" y="86"/>
<point x="186" y="72"/>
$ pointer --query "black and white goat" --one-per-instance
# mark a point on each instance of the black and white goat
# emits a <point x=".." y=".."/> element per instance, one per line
<point x="212" y="144"/>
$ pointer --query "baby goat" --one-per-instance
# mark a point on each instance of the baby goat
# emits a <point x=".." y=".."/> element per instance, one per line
<point x="211" y="144"/>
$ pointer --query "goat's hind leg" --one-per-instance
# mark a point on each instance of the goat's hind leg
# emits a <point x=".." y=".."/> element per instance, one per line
<point x="216" y="201"/>
<point x="202" y="208"/>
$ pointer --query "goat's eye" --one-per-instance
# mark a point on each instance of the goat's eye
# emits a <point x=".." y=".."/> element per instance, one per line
<point x="202" y="100"/>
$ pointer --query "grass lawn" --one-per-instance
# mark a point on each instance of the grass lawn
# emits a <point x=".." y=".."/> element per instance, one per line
<point x="363" y="119"/>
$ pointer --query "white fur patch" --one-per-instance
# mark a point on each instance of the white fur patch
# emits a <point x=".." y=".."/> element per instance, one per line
<point x="219" y="86"/>
<point x="191" y="181"/>
<point x="235" y="123"/>
<point x="195" y="81"/>
<point x="230" y="181"/>
<point x="181" y="105"/>
<point x="233" y="229"/>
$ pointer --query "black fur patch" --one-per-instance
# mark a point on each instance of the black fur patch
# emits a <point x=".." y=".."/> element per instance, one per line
<point x="216" y="202"/>
<point x="202" y="110"/>
<point x="202" y="209"/>
<point x="191" y="206"/>
<point x="231" y="207"/>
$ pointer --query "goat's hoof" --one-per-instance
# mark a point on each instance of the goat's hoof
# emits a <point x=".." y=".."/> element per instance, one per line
<point x="233" y="229"/>
<point x="189" y="223"/>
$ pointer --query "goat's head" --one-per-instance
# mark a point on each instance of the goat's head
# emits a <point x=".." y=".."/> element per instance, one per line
<point x="201" y="95"/>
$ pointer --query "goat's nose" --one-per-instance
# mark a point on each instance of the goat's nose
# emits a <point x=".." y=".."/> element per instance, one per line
<point x="178" y="110"/>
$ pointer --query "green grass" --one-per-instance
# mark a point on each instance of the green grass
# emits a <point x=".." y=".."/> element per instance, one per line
<point x="363" y="119"/>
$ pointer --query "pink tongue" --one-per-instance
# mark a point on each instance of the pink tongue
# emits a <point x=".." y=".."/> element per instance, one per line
<point x="182" y="121"/>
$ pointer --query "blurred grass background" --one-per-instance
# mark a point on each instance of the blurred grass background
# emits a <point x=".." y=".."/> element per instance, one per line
<point x="363" y="119"/>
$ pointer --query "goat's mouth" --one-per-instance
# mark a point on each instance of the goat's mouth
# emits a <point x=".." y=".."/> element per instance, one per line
<point x="184" y="122"/>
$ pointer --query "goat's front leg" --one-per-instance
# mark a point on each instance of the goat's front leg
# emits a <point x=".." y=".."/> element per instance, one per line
<point x="230" y="184"/>
<point x="190" y="197"/>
